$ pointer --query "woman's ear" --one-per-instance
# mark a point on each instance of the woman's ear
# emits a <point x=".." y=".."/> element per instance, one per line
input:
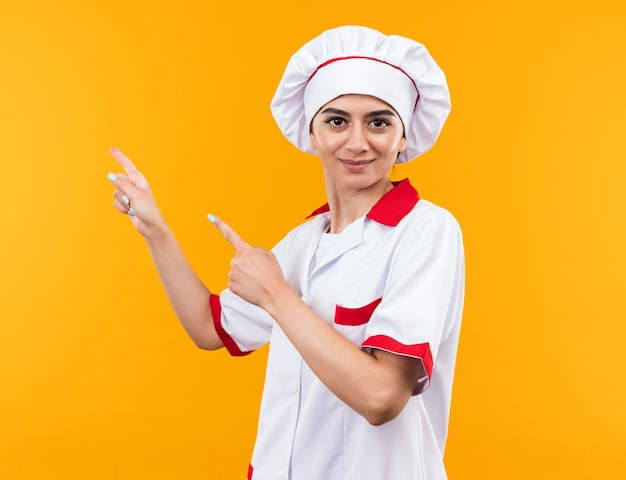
<point x="313" y="140"/>
<point x="402" y="146"/>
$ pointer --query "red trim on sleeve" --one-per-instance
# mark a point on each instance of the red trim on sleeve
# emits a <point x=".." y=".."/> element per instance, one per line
<point x="229" y="343"/>
<point x="419" y="350"/>
<point x="250" y="471"/>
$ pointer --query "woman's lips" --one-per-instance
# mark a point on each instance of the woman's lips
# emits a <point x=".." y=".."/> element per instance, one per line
<point x="356" y="165"/>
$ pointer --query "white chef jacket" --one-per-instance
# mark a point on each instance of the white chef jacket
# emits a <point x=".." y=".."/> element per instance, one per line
<point x="392" y="280"/>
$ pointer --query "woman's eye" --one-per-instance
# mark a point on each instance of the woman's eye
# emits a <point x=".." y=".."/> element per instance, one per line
<point x="379" y="123"/>
<point x="335" y="121"/>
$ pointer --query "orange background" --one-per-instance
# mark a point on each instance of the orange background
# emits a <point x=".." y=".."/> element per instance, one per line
<point x="97" y="379"/>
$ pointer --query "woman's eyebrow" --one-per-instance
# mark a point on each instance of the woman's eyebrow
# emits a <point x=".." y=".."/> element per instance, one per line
<point x="335" y="111"/>
<point x="376" y="113"/>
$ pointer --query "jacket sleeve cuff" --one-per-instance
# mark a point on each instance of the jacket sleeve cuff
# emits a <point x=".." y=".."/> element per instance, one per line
<point x="420" y="351"/>
<point x="227" y="340"/>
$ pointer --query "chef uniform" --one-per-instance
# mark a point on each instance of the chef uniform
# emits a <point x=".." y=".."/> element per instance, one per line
<point x="391" y="280"/>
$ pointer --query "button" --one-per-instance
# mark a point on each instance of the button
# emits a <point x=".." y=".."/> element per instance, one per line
<point x="294" y="387"/>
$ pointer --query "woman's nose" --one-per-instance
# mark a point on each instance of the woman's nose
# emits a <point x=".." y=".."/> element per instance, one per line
<point x="357" y="140"/>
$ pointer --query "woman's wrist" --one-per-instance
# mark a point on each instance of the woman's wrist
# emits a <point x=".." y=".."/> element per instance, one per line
<point x="281" y="299"/>
<point x="158" y="234"/>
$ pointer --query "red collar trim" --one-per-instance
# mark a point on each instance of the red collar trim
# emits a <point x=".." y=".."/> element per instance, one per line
<point x="391" y="208"/>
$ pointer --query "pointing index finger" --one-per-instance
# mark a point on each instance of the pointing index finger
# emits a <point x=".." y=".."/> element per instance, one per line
<point x="123" y="160"/>
<point x="230" y="235"/>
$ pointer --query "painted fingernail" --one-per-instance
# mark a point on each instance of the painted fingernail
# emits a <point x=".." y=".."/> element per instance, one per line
<point x="112" y="177"/>
<point x="211" y="218"/>
<point x="131" y="212"/>
<point x="125" y="198"/>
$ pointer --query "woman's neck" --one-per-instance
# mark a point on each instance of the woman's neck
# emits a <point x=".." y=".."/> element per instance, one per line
<point x="347" y="204"/>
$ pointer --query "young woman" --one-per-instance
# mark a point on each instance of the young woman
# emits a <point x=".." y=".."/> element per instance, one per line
<point x="361" y="303"/>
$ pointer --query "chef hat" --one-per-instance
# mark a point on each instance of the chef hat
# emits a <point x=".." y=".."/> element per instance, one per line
<point x="359" y="60"/>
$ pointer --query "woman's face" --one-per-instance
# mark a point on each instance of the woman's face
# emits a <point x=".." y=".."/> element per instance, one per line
<point x="358" y="138"/>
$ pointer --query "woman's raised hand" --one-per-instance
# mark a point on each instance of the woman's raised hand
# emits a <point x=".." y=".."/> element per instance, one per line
<point x="133" y="196"/>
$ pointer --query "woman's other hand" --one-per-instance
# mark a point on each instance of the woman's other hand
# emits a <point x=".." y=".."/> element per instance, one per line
<point x="133" y="196"/>
<point x="255" y="274"/>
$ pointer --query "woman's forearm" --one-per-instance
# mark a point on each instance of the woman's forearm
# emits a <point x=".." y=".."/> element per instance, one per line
<point x="187" y="294"/>
<point x="376" y="385"/>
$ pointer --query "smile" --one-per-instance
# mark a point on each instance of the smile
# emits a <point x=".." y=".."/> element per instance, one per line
<point x="356" y="165"/>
